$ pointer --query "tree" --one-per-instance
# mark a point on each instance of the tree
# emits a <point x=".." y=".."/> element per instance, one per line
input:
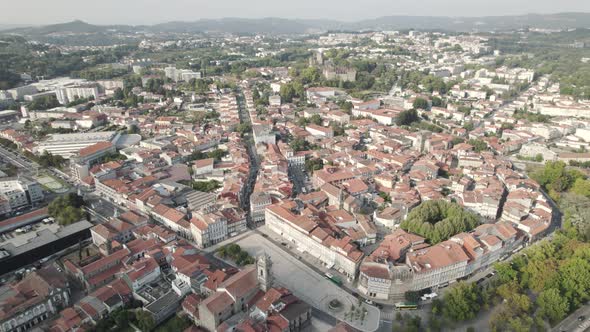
<point x="338" y="129"/>
<point x="385" y="196"/>
<point x="438" y="220"/>
<point x="581" y="187"/>
<point x="555" y="176"/>
<point x="44" y="102"/>
<point x="67" y="209"/>
<point x="133" y="129"/>
<point x="243" y="128"/>
<point x="122" y="318"/>
<point x="118" y="94"/>
<point x="437" y="102"/>
<point x="478" y="145"/>
<point x="292" y="90"/>
<point x="345" y="106"/>
<point x="575" y="280"/>
<point x="406" y="118"/>
<point x="217" y="154"/>
<point x="49" y="160"/>
<point x="553" y="305"/>
<point x="299" y="144"/>
<point x="145" y="321"/>
<point x="316" y="119"/>
<point x="311" y="75"/>
<point x="420" y="103"/>
<point x="462" y="302"/>
<point x="505" y="272"/>
<point x="206" y="186"/>
<point x="312" y="165"/>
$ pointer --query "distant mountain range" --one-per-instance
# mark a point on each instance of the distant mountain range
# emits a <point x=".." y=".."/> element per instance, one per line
<point x="299" y="26"/>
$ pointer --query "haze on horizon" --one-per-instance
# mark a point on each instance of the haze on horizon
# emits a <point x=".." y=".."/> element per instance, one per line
<point x="133" y="12"/>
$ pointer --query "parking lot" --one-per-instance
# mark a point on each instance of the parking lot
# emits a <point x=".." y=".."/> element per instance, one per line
<point x="18" y="239"/>
<point x="308" y="285"/>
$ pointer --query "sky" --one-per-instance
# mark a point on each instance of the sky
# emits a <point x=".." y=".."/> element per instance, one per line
<point x="39" y="12"/>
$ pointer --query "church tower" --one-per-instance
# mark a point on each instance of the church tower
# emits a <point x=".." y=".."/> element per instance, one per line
<point x="263" y="265"/>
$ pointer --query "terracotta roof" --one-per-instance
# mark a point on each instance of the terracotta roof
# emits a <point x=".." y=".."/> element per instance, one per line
<point x="92" y="149"/>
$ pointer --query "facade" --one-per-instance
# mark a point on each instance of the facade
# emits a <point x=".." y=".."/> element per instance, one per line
<point x="209" y="228"/>
<point x="404" y="262"/>
<point x="71" y="93"/>
<point x="304" y="233"/>
<point x="258" y="203"/>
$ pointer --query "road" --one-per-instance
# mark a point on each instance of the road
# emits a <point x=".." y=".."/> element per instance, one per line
<point x="17" y="160"/>
<point x="579" y="321"/>
<point x="298" y="177"/>
<point x="254" y="159"/>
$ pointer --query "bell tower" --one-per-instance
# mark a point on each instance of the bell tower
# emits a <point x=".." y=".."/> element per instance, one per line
<point x="263" y="265"/>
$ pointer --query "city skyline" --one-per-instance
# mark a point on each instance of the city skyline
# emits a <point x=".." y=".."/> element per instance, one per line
<point x="153" y="12"/>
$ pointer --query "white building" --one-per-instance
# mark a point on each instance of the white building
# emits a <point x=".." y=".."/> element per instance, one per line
<point x="263" y="134"/>
<point x="21" y="192"/>
<point x="67" y="145"/>
<point x="209" y="228"/>
<point x="71" y="93"/>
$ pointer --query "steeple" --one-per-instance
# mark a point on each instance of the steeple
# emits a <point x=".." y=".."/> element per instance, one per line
<point x="264" y="265"/>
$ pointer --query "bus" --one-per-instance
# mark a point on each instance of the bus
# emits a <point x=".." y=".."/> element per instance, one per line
<point x="334" y="279"/>
<point x="406" y="306"/>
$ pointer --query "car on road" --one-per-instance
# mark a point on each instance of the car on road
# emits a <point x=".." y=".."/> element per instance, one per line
<point x="582" y="318"/>
<point x="367" y="301"/>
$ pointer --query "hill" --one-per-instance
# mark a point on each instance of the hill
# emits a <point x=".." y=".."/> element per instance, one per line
<point x="275" y="25"/>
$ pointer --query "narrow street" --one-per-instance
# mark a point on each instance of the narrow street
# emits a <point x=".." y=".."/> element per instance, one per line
<point x="254" y="160"/>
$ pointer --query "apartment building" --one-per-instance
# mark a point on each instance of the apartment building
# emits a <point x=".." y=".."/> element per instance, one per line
<point x="20" y="192"/>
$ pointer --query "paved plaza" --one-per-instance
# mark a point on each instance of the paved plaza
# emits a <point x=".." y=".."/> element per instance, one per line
<point x="311" y="286"/>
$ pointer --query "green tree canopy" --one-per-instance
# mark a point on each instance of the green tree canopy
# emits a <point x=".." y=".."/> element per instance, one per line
<point x="438" y="220"/>
<point x="552" y="305"/>
<point x="406" y="118"/>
